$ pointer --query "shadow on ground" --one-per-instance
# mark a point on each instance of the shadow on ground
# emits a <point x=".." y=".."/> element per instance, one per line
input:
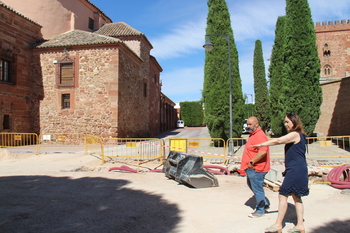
<point x="334" y="227"/>
<point x="62" y="204"/>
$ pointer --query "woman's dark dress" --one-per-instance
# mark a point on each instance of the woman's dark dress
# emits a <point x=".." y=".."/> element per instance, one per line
<point x="296" y="176"/>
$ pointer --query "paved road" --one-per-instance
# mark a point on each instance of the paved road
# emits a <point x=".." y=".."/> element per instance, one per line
<point x="187" y="132"/>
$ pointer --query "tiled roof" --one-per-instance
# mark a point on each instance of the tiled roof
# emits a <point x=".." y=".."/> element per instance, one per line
<point x="118" y="29"/>
<point x="11" y="9"/>
<point x="78" y="37"/>
<point x="99" y="10"/>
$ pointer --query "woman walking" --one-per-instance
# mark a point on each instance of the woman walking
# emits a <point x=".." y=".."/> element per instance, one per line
<point x="295" y="182"/>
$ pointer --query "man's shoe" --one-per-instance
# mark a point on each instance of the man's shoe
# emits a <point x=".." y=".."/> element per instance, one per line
<point x="265" y="208"/>
<point x="255" y="215"/>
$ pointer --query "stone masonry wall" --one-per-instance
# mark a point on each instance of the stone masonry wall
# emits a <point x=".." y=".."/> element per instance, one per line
<point x="91" y="106"/>
<point x="132" y="105"/>
<point x="107" y="100"/>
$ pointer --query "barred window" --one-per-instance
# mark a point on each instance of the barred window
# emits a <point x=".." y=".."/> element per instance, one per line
<point x="7" y="66"/>
<point x="65" y="101"/>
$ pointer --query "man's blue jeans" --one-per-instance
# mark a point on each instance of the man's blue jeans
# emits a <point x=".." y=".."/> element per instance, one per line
<point x="255" y="181"/>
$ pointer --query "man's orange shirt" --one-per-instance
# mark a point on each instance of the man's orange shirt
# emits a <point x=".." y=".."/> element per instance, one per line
<point x="256" y="137"/>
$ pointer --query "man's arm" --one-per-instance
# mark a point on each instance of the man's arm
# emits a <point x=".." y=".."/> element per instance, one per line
<point x="261" y="154"/>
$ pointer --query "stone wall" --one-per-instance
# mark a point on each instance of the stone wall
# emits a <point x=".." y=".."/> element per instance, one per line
<point x="17" y="34"/>
<point x="106" y="101"/>
<point x="334" y="108"/>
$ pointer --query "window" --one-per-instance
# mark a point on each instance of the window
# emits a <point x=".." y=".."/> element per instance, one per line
<point x="145" y="89"/>
<point x="6" y="122"/>
<point x="326" y="51"/>
<point x="91" y="24"/>
<point x="66" y="73"/>
<point x="7" y="68"/>
<point x="327" y="70"/>
<point x="65" y="101"/>
<point x="155" y="78"/>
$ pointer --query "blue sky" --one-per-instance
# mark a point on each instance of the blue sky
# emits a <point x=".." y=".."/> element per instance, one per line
<point x="176" y="29"/>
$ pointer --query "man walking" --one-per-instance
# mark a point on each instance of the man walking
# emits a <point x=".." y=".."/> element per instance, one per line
<point x="256" y="163"/>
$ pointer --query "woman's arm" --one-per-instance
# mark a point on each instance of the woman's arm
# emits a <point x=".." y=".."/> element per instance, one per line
<point x="292" y="137"/>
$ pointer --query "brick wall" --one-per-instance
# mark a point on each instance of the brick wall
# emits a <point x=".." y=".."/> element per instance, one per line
<point x="335" y="108"/>
<point x="17" y="33"/>
<point x="333" y="41"/>
<point x="335" y="38"/>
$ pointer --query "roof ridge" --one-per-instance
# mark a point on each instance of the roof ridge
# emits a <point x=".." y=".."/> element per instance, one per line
<point x="78" y="37"/>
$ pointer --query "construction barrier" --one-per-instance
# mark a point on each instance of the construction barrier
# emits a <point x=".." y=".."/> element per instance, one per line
<point x="235" y="147"/>
<point x="22" y="140"/>
<point x="142" y="149"/>
<point x="213" y="149"/>
<point x="94" y="144"/>
<point x="328" y="147"/>
<point x="65" y="142"/>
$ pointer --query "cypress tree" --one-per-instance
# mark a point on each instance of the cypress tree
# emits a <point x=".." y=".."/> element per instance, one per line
<point x="260" y="87"/>
<point x="276" y="97"/>
<point x="192" y="113"/>
<point x="216" y="86"/>
<point x="301" y="71"/>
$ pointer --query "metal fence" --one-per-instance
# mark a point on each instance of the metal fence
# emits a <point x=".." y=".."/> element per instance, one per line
<point x="149" y="149"/>
<point x="142" y="149"/>
<point x="213" y="149"/>
<point x="23" y="140"/>
<point x="62" y="141"/>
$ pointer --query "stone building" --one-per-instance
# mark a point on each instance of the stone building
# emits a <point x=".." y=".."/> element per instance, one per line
<point x="333" y="41"/>
<point x="17" y="104"/>
<point x="98" y="79"/>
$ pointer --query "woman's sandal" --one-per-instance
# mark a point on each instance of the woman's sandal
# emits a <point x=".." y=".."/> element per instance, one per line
<point x="295" y="230"/>
<point x="273" y="229"/>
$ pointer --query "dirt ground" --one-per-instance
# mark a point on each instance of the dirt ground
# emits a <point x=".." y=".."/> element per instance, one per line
<point x="75" y="193"/>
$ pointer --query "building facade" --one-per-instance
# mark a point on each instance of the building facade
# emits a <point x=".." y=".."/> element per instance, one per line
<point x="333" y="41"/>
<point x="60" y="16"/>
<point x="102" y="82"/>
<point x="18" y="106"/>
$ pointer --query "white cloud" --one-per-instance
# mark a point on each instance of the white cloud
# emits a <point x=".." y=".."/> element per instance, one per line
<point x="180" y="41"/>
<point x="183" y="84"/>
<point x="251" y="20"/>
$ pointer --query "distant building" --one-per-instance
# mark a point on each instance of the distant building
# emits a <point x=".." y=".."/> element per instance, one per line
<point x="333" y="41"/>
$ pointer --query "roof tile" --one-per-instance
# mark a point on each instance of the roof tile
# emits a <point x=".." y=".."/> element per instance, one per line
<point x="118" y="29"/>
<point x="78" y="37"/>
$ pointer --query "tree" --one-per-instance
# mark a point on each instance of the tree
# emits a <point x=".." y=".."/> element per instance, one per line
<point x="301" y="71"/>
<point x="216" y="86"/>
<point x="260" y="87"/>
<point x="276" y="97"/>
<point x="192" y="113"/>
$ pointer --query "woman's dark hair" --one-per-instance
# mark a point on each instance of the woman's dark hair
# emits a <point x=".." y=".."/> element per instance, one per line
<point x="297" y="124"/>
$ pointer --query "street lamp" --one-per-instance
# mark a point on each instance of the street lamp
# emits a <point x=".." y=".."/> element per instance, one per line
<point x="208" y="47"/>
<point x="251" y="95"/>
